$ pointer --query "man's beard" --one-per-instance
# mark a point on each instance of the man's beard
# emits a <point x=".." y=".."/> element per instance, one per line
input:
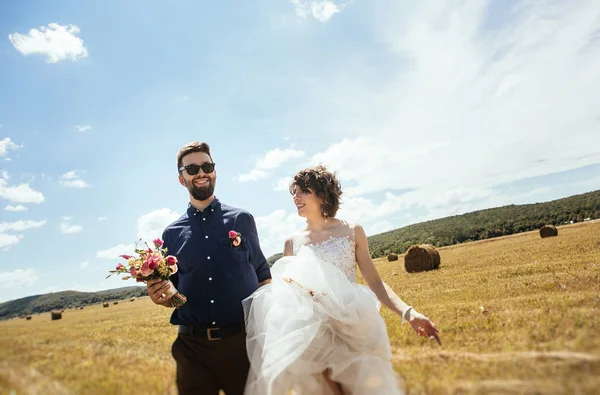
<point x="201" y="193"/>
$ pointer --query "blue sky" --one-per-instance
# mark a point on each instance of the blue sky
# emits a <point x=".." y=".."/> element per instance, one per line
<point x="425" y="109"/>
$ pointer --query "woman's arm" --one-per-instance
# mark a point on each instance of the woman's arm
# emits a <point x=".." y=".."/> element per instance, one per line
<point x="384" y="293"/>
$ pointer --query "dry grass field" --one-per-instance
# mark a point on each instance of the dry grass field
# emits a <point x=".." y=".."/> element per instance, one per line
<point x="517" y="314"/>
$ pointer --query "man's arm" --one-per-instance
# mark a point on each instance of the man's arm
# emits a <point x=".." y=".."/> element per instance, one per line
<point x="257" y="258"/>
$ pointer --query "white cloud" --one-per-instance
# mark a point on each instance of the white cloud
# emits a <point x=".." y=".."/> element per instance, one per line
<point x="272" y="160"/>
<point x="274" y="228"/>
<point x="459" y="196"/>
<point x="253" y="175"/>
<point x="67" y="228"/>
<point x="149" y="227"/>
<point x="283" y="184"/>
<point x="57" y="42"/>
<point x="21" y="225"/>
<point x="101" y="218"/>
<point x="18" y="278"/>
<point x="84" y="265"/>
<point x="15" y="208"/>
<point x="320" y="10"/>
<point x="7" y="145"/>
<point x="8" y="240"/>
<point x="277" y="157"/>
<point x="21" y="193"/>
<point x="82" y="128"/>
<point x="378" y="227"/>
<point x="114" y="252"/>
<point x="72" y="180"/>
<point x="4" y="175"/>
<point x="362" y="210"/>
<point x="468" y="107"/>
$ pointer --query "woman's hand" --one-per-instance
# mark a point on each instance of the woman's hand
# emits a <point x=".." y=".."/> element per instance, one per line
<point x="423" y="326"/>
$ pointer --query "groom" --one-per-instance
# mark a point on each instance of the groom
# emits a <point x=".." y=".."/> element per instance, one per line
<point x="215" y="274"/>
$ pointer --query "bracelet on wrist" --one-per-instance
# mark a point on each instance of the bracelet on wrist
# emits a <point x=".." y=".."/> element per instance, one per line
<point x="406" y="314"/>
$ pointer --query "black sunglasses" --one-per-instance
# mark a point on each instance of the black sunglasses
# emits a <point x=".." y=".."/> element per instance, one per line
<point x="192" y="170"/>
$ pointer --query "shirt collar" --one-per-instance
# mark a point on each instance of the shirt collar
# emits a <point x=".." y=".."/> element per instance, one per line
<point x="212" y="206"/>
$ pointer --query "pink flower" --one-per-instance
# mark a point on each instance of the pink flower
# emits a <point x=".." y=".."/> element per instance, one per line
<point x="233" y="234"/>
<point x="157" y="243"/>
<point x="120" y="267"/>
<point x="126" y="257"/>
<point x="133" y="272"/>
<point x="152" y="260"/>
<point x="146" y="271"/>
<point x="171" y="260"/>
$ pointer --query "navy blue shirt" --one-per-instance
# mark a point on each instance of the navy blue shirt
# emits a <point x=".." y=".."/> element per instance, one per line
<point x="213" y="275"/>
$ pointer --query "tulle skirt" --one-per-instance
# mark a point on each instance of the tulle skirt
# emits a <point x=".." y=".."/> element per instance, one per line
<point x="293" y="337"/>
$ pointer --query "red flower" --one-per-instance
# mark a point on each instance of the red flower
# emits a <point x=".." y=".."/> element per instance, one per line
<point x="171" y="260"/>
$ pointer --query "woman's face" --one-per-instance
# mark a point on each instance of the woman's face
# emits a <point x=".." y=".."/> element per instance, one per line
<point x="307" y="203"/>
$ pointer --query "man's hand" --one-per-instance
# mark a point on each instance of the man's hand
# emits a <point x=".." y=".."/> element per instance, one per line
<point x="160" y="291"/>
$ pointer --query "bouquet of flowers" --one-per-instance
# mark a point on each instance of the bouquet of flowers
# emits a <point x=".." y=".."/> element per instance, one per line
<point x="150" y="264"/>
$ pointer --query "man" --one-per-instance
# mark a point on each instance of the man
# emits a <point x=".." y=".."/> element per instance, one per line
<point x="216" y="272"/>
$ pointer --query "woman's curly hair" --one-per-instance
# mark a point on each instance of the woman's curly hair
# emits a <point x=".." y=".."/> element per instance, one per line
<point x="324" y="184"/>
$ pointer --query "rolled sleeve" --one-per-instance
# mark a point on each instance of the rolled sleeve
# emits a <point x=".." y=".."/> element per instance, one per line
<point x="257" y="258"/>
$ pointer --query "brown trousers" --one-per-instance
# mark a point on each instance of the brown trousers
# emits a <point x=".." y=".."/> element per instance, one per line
<point x="206" y="366"/>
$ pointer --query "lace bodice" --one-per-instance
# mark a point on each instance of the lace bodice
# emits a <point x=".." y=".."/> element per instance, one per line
<point x="339" y="251"/>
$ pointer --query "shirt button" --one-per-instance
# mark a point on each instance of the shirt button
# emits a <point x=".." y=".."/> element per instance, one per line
<point x="195" y="214"/>
<point x="203" y="219"/>
<point x="210" y="279"/>
<point x="212" y="301"/>
<point x="214" y="323"/>
<point x="206" y="237"/>
<point x="207" y="257"/>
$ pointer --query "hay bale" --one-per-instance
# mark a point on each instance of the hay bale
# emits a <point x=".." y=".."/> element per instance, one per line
<point x="420" y="258"/>
<point x="56" y="315"/>
<point x="392" y="257"/>
<point x="105" y="304"/>
<point x="548" y="231"/>
<point x="132" y="300"/>
<point x="115" y="302"/>
<point x="80" y="307"/>
<point x="27" y="317"/>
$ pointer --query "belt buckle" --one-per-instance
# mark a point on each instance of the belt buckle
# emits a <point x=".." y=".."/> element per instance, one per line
<point x="209" y="333"/>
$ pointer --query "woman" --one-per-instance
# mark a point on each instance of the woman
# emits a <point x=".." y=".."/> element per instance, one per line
<point x="313" y="329"/>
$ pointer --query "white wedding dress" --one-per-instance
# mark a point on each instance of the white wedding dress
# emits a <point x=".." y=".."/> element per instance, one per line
<point x="293" y="336"/>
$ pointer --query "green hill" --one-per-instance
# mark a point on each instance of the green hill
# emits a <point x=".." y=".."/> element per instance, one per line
<point x="65" y="300"/>
<point x="485" y="224"/>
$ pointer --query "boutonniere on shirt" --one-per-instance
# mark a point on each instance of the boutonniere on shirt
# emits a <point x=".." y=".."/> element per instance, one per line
<point x="235" y="238"/>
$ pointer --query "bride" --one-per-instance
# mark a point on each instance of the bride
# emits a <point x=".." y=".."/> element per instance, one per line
<point x="313" y="330"/>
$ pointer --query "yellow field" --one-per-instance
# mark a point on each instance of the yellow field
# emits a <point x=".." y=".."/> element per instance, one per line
<point x="518" y="314"/>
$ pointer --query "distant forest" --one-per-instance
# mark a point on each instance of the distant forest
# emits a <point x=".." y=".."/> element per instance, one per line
<point x="65" y="300"/>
